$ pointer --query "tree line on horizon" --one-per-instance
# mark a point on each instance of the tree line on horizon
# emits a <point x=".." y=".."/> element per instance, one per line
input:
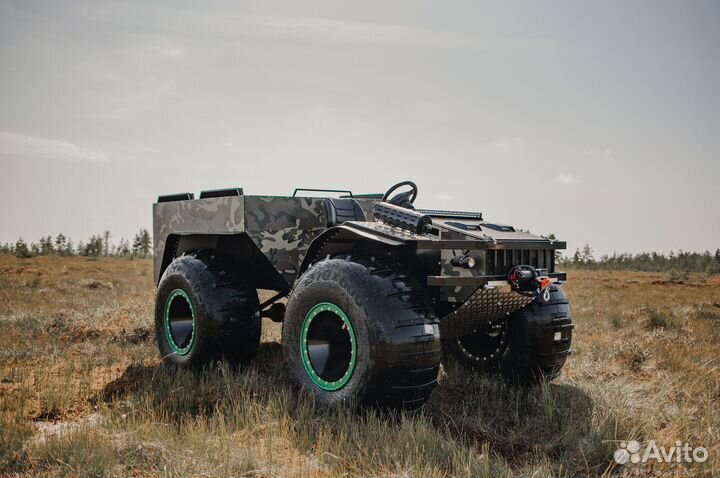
<point x="141" y="246"/>
<point x="96" y="246"/>
<point x="677" y="263"/>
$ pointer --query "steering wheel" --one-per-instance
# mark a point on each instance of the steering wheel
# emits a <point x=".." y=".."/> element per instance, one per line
<point x="404" y="199"/>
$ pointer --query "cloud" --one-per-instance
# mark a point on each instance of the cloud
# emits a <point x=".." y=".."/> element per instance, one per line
<point x="14" y="145"/>
<point x="566" y="179"/>
<point x="215" y="23"/>
<point x="127" y="100"/>
<point x="340" y="31"/>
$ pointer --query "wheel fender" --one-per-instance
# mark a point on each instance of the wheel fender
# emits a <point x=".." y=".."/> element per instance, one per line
<point x="341" y="238"/>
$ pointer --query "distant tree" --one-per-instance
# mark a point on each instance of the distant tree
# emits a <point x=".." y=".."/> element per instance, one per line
<point x="713" y="268"/>
<point x="587" y="255"/>
<point x="94" y="247"/>
<point x="679" y="262"/>
<point x="141" y="244"/>
<point x="46" y="246"/>
<point x="146" y="246"/>
<point x="60" y="244"/>
<point x="123" y="248"/>
<point x="22" y="250"/>
<point x="717" y="255"/>
<point x="106" y="243"/>
<point x="69" y="248"/>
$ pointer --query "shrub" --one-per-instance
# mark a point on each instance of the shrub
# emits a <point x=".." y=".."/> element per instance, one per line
<point x="678" y="276"/>
<point x="659" y="320"/>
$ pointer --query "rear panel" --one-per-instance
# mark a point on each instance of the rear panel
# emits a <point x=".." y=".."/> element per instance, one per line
<point x="222" y="215"/>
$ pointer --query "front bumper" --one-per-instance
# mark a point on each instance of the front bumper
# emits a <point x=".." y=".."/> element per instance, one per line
<point x="481" y="281"/>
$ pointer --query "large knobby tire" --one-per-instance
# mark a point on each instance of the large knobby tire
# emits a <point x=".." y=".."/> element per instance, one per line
<point x="204" y="311"/>
<point x="527" y="347"/>
<point x="360" y="330"/>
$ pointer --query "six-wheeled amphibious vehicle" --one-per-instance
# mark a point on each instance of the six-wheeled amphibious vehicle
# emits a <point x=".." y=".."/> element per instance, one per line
<point x="378" y="292"/>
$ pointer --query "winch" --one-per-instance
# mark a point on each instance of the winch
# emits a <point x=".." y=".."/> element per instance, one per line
<point x="529" y="281"/>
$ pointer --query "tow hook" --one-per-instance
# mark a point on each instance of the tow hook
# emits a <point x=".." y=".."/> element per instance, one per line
<point x="529" y="281"/>
<point x="545" y="287"/>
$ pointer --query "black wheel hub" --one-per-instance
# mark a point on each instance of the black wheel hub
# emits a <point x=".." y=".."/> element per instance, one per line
<point x="486" y="344"/>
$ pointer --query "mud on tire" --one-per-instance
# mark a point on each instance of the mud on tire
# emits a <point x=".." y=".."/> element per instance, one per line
<point x="361" y="330"/>
<point x="204" y="312"/>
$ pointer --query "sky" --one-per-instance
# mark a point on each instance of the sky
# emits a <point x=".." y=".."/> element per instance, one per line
<point x="596" y="121"/>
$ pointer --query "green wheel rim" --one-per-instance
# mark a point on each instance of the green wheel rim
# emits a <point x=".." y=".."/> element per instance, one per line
<point x="176" y="322"/>
<point x="326" y="333"/>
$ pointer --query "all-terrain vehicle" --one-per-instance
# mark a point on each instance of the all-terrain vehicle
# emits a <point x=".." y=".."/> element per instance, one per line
<point x="378" y="292"/>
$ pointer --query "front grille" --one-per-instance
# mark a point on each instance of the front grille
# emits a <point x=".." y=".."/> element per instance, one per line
<point x="500" y="261"/>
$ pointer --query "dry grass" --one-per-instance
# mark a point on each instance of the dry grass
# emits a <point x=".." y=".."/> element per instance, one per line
<point x="82" y="392"/>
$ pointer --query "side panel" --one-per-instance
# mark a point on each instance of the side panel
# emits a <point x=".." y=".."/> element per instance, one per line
<point x="283" y="228"/>
<point x="224" y="215"/>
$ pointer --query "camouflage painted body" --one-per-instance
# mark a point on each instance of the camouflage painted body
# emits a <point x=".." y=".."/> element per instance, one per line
<point x="457" y="294"/>
<point x="283" y="230"/>
<point x="224" y="215"/>
<point x="281" y="227"/>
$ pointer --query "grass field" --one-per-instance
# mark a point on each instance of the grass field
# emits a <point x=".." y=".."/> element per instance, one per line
<point x="83" y="393"/>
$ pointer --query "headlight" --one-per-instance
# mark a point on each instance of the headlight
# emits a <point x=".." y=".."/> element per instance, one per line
<point x="463" y="261"/>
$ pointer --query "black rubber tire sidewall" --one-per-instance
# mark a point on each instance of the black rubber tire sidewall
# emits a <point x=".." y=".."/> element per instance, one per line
<point x="533" y="355"/>
<point x="226" y="325"/>
<point x="397" y="334"/>
<point x="530" y="355"/>
<point x="204" y="330"/>
<point x="315" y="293"/>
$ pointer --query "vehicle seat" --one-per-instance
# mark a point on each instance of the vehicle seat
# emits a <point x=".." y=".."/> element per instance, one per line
<point x="339" y="210"/>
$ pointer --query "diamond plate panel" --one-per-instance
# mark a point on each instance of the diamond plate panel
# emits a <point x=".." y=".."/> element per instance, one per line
<point x="484" y="306"/>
